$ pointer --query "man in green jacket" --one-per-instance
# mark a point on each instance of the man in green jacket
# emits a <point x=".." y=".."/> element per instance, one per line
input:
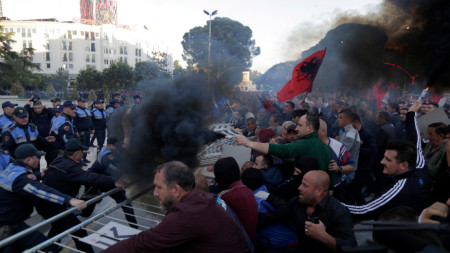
<point x="308" y="144"/>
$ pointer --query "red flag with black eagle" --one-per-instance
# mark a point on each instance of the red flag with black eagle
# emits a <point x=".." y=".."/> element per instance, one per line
<point x="302" y="76"/>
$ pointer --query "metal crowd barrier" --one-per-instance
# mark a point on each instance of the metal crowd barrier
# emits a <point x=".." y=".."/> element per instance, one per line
<point x="92" y="220"/>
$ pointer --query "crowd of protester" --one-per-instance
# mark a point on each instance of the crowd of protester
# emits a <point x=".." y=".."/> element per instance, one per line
<point x="318" y="165"/>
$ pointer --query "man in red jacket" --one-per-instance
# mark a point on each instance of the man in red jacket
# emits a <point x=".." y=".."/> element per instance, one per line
<point x="194" y="221"/>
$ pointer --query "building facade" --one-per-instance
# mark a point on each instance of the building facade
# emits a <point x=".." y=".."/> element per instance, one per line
<point x="246" y="85"/>
<point x="75" y="45"/>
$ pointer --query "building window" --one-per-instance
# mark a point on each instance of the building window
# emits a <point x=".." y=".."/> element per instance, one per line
<point x="64" y="45"/>
<point x="93" y="58"/>
<point x="86" y="35"/>
<point x="70" y="45"/>
<point x="30" y="44"/>
<point x="18" y="30"/>
<point x="120" y="59"/>
<point x="23" y="33"/>
<point x="69" y="34"/>
<point x="140" y="52"/>
<point x="125" y="50"/>
<point x="96" y="35"/>
<point x="70" y="66"/>
<point x="70" y="56"/>
<point x="46" y="35"/>
<point x="106" y="51"/>
<point x="88" y="59"/>
<point x="105" y="62"/>
<point x="92" y="36"/>
<point x="64" y="57"/>
<point x="88" y="49"/>
<point x="48" y="65"/>
<point x="74" y="32"/>
<point x="47" y="45"/>
<point x="121" y="50"/>
<point x="93" y="47"/>
<point x="29" y="33"/>
<point x="24" y="44"/>
<point x="125" y="59"/>
<point x="34" y="30"/>
<point x="47" y="56"/>
<point x="82" y="33"/>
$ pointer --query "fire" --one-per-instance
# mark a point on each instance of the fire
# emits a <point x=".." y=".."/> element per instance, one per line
<point x="427" y="88"/>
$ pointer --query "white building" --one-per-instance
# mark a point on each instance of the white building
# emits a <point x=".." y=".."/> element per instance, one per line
<point x="246" y="85"/>
<point x="74" y="46"/>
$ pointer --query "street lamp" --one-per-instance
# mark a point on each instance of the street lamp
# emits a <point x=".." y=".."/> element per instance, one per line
<point x="209" y="47"/>
<point x="209" y="42"/>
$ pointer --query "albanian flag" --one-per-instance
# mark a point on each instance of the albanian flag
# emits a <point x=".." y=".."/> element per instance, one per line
<point x="302" y="77"/>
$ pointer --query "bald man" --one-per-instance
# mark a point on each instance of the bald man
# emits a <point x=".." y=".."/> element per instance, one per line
<point x="322" y="223"/>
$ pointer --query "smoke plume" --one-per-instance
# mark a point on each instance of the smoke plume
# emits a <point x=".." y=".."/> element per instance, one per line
<point x="169" y="125"/>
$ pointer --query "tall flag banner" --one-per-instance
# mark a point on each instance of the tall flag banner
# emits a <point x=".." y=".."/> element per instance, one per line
<point x="302" y="76"/>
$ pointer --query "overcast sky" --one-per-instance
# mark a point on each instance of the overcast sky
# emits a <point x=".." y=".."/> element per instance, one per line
<point x="282" y="28"/>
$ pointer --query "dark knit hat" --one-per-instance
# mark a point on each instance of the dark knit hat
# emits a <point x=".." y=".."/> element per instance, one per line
<point x="226" y="171"/>
<point x="252" y="178"/>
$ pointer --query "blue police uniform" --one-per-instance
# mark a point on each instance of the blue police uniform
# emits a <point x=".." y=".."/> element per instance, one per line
<point x="63" y="129"/>
<point x="19" y="188"/>
<point x="17" y="135"/>
<point x="5" y="122"/>
<point x="67" y="176"/>
<point x="83" y="123"/>
<point x="99" y="120"/>
<point x="102" y="166"/>
<point x="109" y="111"/>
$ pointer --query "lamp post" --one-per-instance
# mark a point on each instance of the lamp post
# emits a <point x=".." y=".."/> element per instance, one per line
<point x="209" y="41"/>
<point x="209" y="47"/>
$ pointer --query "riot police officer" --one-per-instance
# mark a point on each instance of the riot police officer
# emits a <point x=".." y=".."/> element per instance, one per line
<point x="19" y="188"/>
<point x="6" y="119"/>
<point x="83" y="123"/>
<point x="62" y="127"/>
<point x="22" y="132"/>
<point x="99" y="119"/>
<point x="105" y="165"/>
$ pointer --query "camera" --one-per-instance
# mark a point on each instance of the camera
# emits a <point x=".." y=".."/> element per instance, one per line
<point x="314" y="220"/>
<point x="34" y="98"/>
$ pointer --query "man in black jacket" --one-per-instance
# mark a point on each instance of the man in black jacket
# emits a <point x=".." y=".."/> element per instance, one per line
<point x="19" y="189"/>
<point x="322" y="223"/>
<point x="65" y="174"/>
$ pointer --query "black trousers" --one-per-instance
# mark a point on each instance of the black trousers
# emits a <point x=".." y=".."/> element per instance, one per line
<point x="48" y="210"/>
<point x="100" y="135"/>
<point x="85" y="139"/>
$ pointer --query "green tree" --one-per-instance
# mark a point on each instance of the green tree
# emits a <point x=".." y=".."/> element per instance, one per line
<point x="92" y="96"/>
<point x="178" y="70"/>
<point x="149" y="70"/>
<point x="16" y="67"/>
<point x="89" y="78"/>
<point x="118" y="76"/>
<point x="60" y="80"/>
<point x="50" y="91"/>
<point x="232" y="50"/>
<point x="17" y="89"/>
<point x="74" y="93"/>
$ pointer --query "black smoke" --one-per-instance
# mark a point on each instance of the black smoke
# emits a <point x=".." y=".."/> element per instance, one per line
<point x="170" y="124"/>
<point x="414" y="34"/>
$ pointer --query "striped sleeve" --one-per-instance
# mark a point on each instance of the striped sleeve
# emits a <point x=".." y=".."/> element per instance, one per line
<point x="420" y="162"/>
<point x="44" y="194"/>
<point x="378" y="203"/>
